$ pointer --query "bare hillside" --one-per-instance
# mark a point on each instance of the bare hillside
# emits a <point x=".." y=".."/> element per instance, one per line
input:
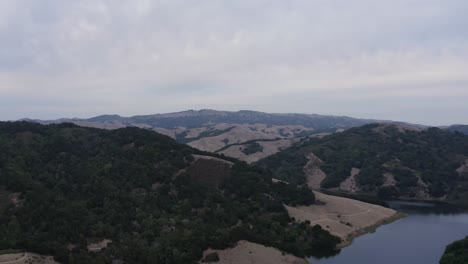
<point x="229" y="133"/>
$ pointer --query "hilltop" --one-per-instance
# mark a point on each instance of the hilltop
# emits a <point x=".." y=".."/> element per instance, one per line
<point x="245" y="135"/>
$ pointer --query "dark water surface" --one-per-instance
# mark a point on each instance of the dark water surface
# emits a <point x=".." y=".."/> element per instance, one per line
<point x="419" y="238"/>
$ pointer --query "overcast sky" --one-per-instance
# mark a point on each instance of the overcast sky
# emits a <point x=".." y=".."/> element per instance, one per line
<point x="387" y="59"/>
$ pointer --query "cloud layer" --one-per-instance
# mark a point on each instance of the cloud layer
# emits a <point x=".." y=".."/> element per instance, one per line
<point x="403" y="60"/>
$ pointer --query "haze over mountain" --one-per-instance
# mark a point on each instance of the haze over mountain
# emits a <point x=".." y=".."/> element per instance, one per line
<point x="246" y="135"/>
<point x="460" y="128"/>
<point x="204" y="117"/>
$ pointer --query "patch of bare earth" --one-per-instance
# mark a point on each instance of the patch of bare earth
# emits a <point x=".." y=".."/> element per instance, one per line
<point x="245" y="252"/>
<point x="343" y="217"/>
<point x="245" y="132"/>
<point x="422" y="190"/>
<point x="313" y="173"/>
<point x="277" y="181"/>
<point x="98" y="246"/>
<point x="236" y="135"/>
<point x="350" y="185"/>
<point x="26" y="258"/>
<point x="463" y="169"/>
<point x="389" y="179"/>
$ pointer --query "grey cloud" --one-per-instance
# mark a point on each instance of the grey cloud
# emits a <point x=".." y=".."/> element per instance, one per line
<point x="132" y="57"/>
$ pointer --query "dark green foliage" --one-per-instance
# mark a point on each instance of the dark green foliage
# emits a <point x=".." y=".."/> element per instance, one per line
<point x="432" y="154"/>
<point x="456" y="253"/>
<point x="370" y="178"/>
<point x="293" y="195"/>
<point x="405" y="177"/>
<point x="287" y="165"/>
<point x="386" y="192"/>
<point x="80" y="185"/>
<point x="252" y="148"/>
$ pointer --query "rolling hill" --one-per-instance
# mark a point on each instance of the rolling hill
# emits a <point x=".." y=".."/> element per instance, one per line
<point x="245" y="135"/>
<point x="87" y="195"/>
<point x="386" y="160"/>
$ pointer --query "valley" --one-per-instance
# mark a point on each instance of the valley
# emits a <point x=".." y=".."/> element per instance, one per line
<point x="199" y="167"/>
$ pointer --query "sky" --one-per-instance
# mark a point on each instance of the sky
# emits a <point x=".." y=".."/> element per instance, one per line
<point x="402" y="60"/>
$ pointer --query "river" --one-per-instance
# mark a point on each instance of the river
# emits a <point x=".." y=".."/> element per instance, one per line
<point x="419" y="238"/>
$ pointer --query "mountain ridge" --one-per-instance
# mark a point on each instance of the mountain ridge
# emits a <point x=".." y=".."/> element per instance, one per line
<point x="246" y="135"/>
<point x="246" y="116"/>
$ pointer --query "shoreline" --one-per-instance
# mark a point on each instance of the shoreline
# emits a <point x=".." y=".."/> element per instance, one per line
<point x="370" y="229"/>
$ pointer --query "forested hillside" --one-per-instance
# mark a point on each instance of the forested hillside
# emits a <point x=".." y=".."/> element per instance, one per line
<point x="63" y="187"/>
<point x="456" y="253"/>
<point x="389" y="160"/>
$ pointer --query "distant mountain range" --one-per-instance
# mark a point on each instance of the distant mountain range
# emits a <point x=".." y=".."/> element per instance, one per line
<point x="246" y="135"/>
<point x="198" y="118"/>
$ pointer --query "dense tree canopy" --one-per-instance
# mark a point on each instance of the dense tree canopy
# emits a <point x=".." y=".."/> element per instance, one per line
<point x="456" y="253"/>
<point x="432" y="155"/>
<point x="80" y="185"/>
